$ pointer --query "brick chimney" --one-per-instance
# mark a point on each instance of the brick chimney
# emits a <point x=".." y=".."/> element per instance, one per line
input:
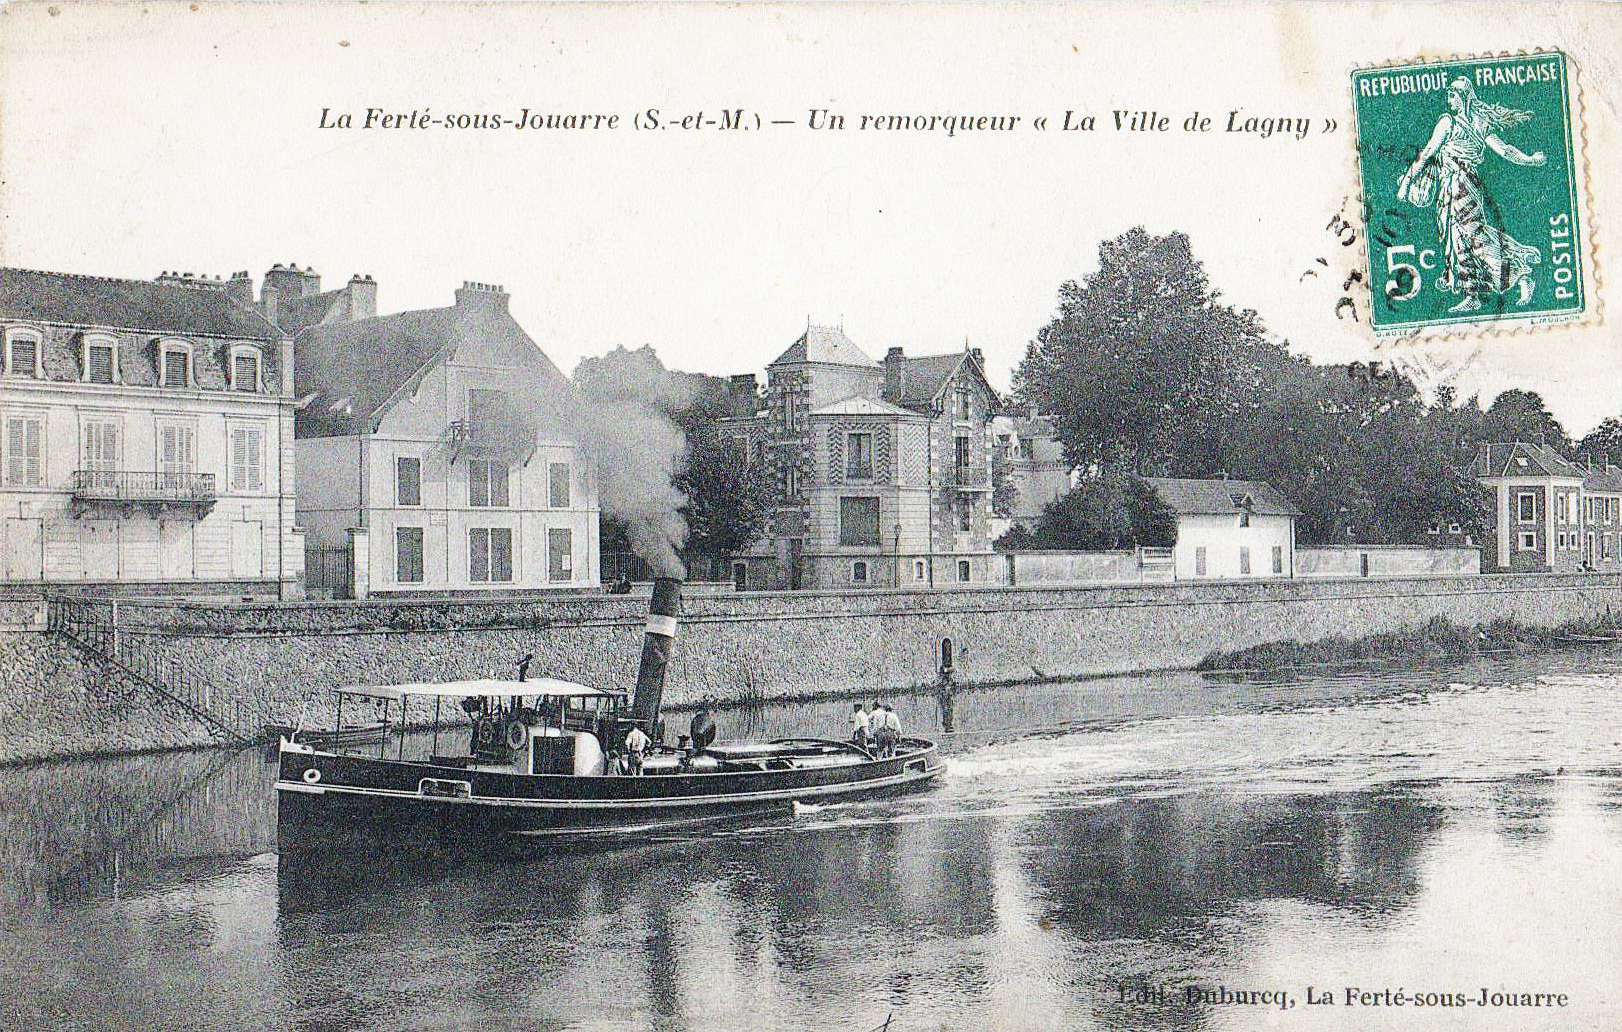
<point x="895" y="376"/>
<point x="291" y="281"/>
<point x="743" y="394"/>
<point x="483" y="294"/>
<point x="240" y="288"/>
<point x="185" y="279"/>
<point x="362" y="296"/>
<point x="979" y="358"/>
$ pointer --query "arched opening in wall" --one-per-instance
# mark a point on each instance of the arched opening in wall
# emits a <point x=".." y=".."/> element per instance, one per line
<point x="946" y="657"/>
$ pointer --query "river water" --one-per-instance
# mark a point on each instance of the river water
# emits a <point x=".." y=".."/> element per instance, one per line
<point x="1442" y="832"/>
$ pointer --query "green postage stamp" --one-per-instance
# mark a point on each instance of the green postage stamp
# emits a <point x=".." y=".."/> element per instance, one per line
<point x="1470" y="192"/>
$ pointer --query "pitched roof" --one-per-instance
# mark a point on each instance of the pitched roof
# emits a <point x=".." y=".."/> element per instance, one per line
<point x="861" y="405"/>
<point x="1608" y="480"/>
<point x="923" y="377"/>
<point x="295" y="313"/>
<point x="1519" y="459"/>
<point x="75" y="300"/>
<point x="350" y="371"/>
<point x="1219" y="497"/>
<point x="825" y="344"/>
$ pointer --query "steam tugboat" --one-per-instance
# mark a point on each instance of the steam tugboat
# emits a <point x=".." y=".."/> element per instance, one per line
<point x="547" y="757"/>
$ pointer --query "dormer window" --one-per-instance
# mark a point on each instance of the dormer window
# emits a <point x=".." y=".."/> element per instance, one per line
<point x="100" y="360"/>
<point x="22" y="353"/>
<point x="174" y="363"/>
<point x="245" y="369"/>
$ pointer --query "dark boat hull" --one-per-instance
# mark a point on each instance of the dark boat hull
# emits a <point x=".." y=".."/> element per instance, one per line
<point x="347" y="797"/>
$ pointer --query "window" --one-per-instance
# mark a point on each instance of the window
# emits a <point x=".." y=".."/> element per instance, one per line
<point x="490" y="554"/>
<point x="177" y="453"/>
<point x="1278" y="558"/>
<point x="1605" y="546"/>
<point x="859" y="456"/>
<point x="965" y="515"/>
<point x="247" y="459"/>
<point x="558" y="485"/>
<point x="408" y="555"/>
<point x="245" y="368"/>
<point x="486" y="483"/>
<point x="1528" y="540"/>
<point x="1199" y="561"/>
<point x="22" y="355"/>
<point x="101" y="446"/>
<point x="1454" y="528"/>
<point x="858" y="572"/>
<point x="962" y="406"/>
<point x="1434" y="529"/>
<point x="858" y="521"/>
<point x="407" y="480"/>
<point x="1244" y="518"/>
<point x="963" y="570"/>
<point x="1526" y="506"/>
<point x="100" y="360"/>
<point x="559" y="554"/>
<point x="960" y="457"/>
<point x="791" y="481"/>
<point x="24" y="451"/>
<point x="1244" y="560"/>
<point x="1027" y="448"/>
<point x="1004" y="445"/>
<point x="1562" y="507"/>
<point x="918" y="569"/>
<point x="174" y="363"/>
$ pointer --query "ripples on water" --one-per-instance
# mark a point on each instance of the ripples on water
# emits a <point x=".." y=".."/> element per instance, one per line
<point x="1429" y="829"/>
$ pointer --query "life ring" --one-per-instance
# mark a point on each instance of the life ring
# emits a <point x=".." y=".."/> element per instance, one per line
<point x="516" y="733"/>
<point x="485" y="732"/>
<point x="311" y="775"/>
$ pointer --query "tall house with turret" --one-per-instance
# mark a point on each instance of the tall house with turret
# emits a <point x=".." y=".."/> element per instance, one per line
<point x="884" y="468"/>
<point x="147" y="440"/>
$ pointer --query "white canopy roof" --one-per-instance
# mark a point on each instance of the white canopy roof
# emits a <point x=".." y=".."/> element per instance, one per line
<point x="484" y="686"/>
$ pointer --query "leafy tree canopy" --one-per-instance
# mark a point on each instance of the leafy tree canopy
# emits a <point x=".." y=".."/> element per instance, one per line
<point x="1109" y="511"/>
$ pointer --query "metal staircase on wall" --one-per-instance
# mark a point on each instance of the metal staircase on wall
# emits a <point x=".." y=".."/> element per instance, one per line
<point x="82" y="623"/>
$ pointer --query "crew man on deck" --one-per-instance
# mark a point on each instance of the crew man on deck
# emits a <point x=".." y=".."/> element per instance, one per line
<point x="889" y="735"/>
<point x="636" y="743"/>
<point x="858" y="726"/>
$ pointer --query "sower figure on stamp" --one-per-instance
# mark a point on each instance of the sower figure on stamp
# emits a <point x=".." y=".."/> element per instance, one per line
<point x="1480" y="257"/>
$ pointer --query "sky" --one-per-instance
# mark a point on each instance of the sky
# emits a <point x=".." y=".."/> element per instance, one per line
<point x="139" y="138"/>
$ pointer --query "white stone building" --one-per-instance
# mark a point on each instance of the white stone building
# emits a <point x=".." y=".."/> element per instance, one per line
<point x="1229" y="529"/>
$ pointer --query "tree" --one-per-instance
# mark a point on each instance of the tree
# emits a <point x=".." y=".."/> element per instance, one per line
<point x="1517" y="415"/>
<point x="1111" y="510"/>
<point x="1143" y="367"/>
<point x="1004" y="495"/>
<point x="1604" y="442"/>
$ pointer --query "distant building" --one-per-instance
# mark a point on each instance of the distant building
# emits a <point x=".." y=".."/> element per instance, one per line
<point x="1037" y="470"/>
<point x="1229" y="529"/>
<point x="434" y="451"/>
<point x="1549" y="514"/>
<point x="148" y="437"/>
<point x="885" y="468"/>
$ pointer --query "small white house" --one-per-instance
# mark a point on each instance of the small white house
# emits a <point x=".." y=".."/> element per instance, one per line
<point x="1230" y="529"/>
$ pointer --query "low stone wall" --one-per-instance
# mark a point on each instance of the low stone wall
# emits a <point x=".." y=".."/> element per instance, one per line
<point x="282" y="659"/>
<point x="1386" y="561"/>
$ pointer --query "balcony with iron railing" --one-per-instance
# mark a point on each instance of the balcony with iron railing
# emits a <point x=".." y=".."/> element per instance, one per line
<point x="491" y="439"/>
<point x="151" y="490"/>
<point x="970" y="478"/>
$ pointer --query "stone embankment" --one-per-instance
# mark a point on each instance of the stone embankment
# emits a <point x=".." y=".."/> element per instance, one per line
<point x="278" y="661"/>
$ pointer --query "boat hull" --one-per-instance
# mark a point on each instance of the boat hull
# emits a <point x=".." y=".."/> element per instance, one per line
<point x="326" y="797"/>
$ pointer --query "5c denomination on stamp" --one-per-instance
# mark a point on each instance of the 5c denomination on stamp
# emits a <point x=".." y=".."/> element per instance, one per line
<point x="1470" y="192"/>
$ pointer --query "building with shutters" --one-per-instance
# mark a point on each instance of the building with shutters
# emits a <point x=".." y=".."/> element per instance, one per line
<point x="435" y="454"/>
<point x="1549" y="514"/>
<point x="148" y="432"/>
<point x="884" y="467"/>
<point x="1229" y="529"/>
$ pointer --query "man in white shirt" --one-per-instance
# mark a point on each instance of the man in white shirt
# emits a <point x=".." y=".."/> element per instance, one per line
<point x="858" y="726"/>
<point x="635" y="744"/>
<point x="888" y="727"/>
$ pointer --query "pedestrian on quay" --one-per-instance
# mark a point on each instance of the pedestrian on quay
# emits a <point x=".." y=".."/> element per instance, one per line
<point x="858" y="726"/>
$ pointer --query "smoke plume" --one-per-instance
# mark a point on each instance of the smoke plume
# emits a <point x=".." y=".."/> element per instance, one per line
<point x="620" y="422"/>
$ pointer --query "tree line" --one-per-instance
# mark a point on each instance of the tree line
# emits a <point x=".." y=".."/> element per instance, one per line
<point x="1145" y="371"/>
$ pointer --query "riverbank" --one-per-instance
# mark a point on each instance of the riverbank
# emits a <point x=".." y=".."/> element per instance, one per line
<point x="1437" y="641"/>
<point x="277" y="662"/>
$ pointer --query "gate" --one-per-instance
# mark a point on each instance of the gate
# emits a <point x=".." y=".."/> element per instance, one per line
<point x="329" y="573"/>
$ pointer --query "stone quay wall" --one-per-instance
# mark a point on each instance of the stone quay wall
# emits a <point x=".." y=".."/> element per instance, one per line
<point x="278" y="661"/>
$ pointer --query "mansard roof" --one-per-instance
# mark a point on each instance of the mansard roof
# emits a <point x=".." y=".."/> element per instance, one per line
<point x="70" y="299"/>
<point x="1220" y="497"/>
<point x="827" y="345"/>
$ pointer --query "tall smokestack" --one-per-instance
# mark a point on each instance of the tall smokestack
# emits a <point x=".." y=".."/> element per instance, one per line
<point x="661" y="632"/>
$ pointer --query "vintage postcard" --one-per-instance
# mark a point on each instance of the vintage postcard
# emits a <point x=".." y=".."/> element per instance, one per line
<point x="810" y="516"/>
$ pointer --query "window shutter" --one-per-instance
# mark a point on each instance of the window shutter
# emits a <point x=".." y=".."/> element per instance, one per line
<point x="174" y="369"/>
<point x="16" y="450"/>
<point x="24" y="358"/>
